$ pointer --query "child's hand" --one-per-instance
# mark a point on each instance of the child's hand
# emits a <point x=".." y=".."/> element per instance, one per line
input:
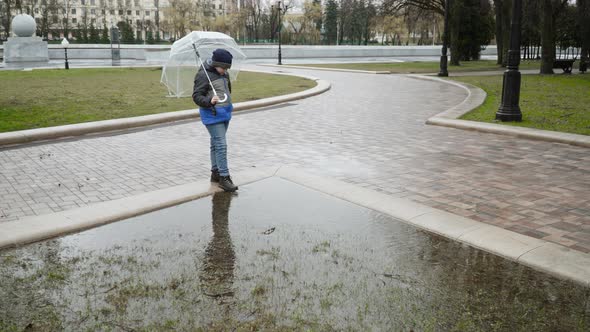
<point x="214" y="100"/>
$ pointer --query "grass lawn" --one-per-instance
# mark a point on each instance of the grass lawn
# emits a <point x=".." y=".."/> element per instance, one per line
<point x="45" y="98"/>
<point x="424" y="67"/>
<point x="550" y="102"/>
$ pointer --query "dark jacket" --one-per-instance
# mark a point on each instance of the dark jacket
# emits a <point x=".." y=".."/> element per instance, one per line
<point x="202" y="94"/>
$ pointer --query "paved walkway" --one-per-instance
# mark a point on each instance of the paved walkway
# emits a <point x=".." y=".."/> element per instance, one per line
<point x="367" y="130"/>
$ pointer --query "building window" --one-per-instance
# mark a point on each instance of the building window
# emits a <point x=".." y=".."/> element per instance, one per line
<point x="74" y="20"/>
<point x="36" y="10"/>
<point x="148" y="22"/>
<point x="37" y="20"/>
<point x="82" y="2"/>
<point x="93" y="21"/>
<point x="147" y="13"/>
<point x="136" y="3"/>
<point x="54" y="20"/>
<point x="92" y="11"/>
<point x="137" y="12"/>
<point x="92" y="2"/>
<point x="129" y="12"/>
<point x="104" y="12"/>
<point x="220" y="6"/>
<point x="73" y="11"/>
<point x="120" y="11"/>
<point x="138" y="22"/>
<point x="112" y="12"/>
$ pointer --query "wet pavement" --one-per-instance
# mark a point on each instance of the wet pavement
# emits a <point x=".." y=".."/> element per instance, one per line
<point x="293" y="260"/>
<point x="367" y="130"/>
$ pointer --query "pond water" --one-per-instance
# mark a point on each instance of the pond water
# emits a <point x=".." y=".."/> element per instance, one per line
<point x="276" y="256"/>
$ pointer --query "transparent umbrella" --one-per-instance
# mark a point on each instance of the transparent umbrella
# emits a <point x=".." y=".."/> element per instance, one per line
<point x="189" y="53"/>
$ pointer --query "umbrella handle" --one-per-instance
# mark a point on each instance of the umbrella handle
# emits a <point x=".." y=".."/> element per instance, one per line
<point x="224" y="98"/>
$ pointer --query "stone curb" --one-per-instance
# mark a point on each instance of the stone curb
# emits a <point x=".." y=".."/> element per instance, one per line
<point x="37" y="228"/>
<point x="328" y="69"/>
<point x="475" y="98"/>
<point x="27" y="136"/>
<point x="541" y="255"/>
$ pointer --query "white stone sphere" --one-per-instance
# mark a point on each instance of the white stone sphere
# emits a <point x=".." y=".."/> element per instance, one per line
<point x="23" y="25"/>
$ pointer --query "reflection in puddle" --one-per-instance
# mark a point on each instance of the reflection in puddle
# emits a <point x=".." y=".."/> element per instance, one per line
<point x="276" y="256"/>
<point x="217" y="272"/>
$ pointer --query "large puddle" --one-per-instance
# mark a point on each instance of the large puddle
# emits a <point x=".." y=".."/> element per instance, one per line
<point x="277" y="256"/>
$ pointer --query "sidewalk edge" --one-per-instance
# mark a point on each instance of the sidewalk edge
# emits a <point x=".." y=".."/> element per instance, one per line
<point x="31" y="135"/>
<point x="475" y="98"/>
<point x="538" y="254"/>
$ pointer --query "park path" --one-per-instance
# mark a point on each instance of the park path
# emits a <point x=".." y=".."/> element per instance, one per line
<point x="368" y="130"/>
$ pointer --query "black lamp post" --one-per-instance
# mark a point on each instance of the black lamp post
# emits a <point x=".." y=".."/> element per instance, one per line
<point x="280" y="26"/>
<point x="443" y="58"/>
<point x="65" y="44"/>
<point x="272" y="23"/>
<point x="509" y="109"/>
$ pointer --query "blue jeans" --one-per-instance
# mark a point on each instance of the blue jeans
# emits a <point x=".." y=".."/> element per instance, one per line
<point x="218" y="147"/>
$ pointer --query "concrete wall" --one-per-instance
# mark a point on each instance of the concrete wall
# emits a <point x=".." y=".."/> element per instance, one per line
<point x="159" y="53"/>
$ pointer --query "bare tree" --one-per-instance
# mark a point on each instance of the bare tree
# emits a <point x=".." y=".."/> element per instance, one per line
<point x="584" y="22"/>
<point x="549" y="9"/>
<point x="393" y="6"/>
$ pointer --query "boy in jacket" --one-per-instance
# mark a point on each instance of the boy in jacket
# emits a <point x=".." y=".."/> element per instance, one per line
<point x="215" y="111"/>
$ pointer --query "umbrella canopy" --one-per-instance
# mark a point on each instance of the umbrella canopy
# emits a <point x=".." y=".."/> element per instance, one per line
<point x="179" y="71"/>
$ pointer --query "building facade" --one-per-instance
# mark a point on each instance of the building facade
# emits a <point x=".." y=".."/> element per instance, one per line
<point x="158" y="18"/>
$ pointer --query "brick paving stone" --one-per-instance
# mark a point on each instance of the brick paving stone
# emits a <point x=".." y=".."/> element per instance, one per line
<point x="581" y="247"/>
<point x="367" y="130"/>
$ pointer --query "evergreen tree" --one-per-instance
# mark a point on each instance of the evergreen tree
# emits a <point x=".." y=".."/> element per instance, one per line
<point x="78" y="34"/>
<point x="472" y="27"/>
<point x="331" y="21"/>
<point x="84" y="33"/>
<point x="93" y="37"/>
<point x="126" y="32"/>
<point x="104" y="39"/>
<point x="150" y="37"/>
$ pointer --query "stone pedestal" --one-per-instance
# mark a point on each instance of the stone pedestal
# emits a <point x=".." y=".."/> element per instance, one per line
<point x="25" y="49"/>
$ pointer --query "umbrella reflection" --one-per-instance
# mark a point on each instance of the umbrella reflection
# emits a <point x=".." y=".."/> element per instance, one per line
<point x="217" y="273"/>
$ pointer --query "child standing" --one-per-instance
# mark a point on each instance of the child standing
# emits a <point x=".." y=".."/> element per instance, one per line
<point x="215" y="111"/>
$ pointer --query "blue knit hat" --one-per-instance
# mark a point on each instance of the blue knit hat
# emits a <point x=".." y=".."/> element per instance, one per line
<point x="221" y="58"/>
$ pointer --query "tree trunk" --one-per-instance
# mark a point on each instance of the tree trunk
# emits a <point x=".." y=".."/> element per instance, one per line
<point x="547" y="37"/>
<point x="454" y="24"/>
<point x="7" y="22"/>
<point x="584" y="21"/>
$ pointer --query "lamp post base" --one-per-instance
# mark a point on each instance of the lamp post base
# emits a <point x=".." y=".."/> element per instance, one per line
<point x="509" y="109"/>
<point x="443" y="66"/>
<point x="507" y="114"/>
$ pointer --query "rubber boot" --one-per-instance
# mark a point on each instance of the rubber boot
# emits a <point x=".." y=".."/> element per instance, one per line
<point x="227" y="184"/>
<point x="215" y="176"/>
